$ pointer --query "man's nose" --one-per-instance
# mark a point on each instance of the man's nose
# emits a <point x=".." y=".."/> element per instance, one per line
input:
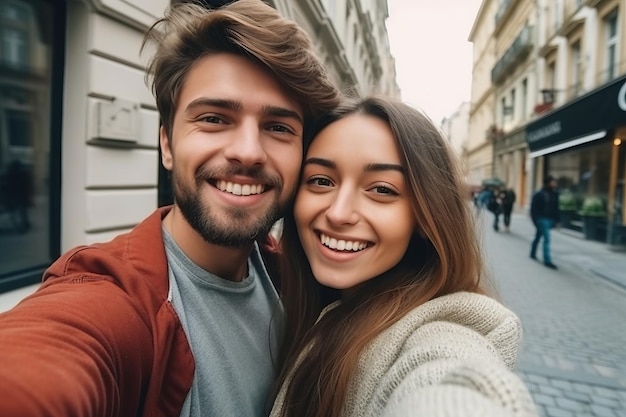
<point x="246" y="147"/>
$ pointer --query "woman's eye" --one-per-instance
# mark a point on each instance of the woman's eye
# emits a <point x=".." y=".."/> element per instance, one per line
<point x="320" y="182"/>
<point x="381" y="189"/>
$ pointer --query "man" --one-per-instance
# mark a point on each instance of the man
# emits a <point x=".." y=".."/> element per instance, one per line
<point x="493" y="205"/>
<point x="507" y="199"/>
<point x="179" y="317"/>
<point x="544" y="212"/>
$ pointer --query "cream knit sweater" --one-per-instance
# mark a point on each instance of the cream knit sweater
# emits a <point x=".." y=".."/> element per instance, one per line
<point x="452" y="356"/>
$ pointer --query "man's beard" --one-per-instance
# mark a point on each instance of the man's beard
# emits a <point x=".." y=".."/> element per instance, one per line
<point x="235" y="229"/>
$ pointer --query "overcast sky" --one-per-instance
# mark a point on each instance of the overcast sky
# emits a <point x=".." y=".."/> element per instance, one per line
<point x="433" y="56"/>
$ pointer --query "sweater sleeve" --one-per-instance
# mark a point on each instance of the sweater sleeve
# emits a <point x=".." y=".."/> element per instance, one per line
<point x="78" y="347"/>
<point x="463" y="392"/>
<point x="463" y="388"/>
<point x="457" y="361"/>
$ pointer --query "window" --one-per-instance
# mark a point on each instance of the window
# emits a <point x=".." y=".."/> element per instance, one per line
<point x="555" y="15"/>
<point x="31" y="31"/>
<point x="524" y="107"/>
<point x="551" y="76"/>
<point x="512" y="108"/>
<point x="576" y="86"/>
<point x="583" y="172"/>
<point x="612" y="45"/>
<point x="15" y="18"/>
<point x="329" y="6"/>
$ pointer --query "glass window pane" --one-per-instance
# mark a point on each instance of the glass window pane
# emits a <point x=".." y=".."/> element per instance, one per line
<point x="15" y="11"/>
<point x="24" y="136"/>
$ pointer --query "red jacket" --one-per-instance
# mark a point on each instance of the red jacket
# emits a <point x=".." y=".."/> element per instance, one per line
<point x="99" y="338"/>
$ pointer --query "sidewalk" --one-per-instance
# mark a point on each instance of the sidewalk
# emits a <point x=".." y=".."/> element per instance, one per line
<point x="570" y="247"/>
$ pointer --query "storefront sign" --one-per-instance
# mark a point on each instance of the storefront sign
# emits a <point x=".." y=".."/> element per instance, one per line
<point x="597" y="111"/>
<point x="621" y="97"/>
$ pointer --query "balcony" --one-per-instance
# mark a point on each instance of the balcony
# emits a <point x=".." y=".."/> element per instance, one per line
<point x="548" y="95"/>
<point x="593" y="3"/>
<point x="515" y="54"/>
<point x="503" y="11"/>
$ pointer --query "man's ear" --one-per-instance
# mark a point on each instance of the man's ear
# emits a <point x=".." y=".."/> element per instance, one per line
<point x="166" y="151"/>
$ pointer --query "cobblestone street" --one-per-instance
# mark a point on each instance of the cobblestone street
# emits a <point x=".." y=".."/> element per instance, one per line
<point x="574" y="351"/>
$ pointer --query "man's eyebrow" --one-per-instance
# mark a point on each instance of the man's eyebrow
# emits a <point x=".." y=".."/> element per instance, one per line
<point x="235" y="105"/>
<point x="215" y="102"/>
<point x="282" y="112"/>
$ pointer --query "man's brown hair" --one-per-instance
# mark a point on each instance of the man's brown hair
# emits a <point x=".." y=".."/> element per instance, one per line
<point x="248" y="28"/>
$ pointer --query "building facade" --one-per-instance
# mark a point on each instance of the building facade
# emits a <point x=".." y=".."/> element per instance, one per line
<point x="478" y="150"/>
<point x="513" y="77"/>
<point x="456" y="129"/>
<point x="79" y="127"/>
<point x="559" y="105"/>
<point x="580" y="127"/>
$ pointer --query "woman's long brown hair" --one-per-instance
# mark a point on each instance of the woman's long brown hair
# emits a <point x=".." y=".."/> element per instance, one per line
<point x="443" y="257"/>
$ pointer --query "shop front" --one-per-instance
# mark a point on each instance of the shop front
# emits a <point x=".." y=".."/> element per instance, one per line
<point x="583" y="145"/>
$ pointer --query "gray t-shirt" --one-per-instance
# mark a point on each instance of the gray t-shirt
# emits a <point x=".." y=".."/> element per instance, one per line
<point x="233" y="329"/>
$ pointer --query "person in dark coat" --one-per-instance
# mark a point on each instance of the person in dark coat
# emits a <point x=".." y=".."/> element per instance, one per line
<point x="507" y="199"/>
<point x="494" y="206"/>
<point x="544" y="212"/>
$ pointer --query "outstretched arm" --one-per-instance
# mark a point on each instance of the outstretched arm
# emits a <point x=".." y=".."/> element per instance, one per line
<point x="74" y="348"/>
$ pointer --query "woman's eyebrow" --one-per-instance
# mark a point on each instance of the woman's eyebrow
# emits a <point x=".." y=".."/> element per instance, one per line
<point x="320" y="161"/>
<point x="372" y="167"/>
<point x="384" y="167"/>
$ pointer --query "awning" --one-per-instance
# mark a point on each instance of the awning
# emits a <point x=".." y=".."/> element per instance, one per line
<point x="568" y="144"/>
<point x="582" y="119"/>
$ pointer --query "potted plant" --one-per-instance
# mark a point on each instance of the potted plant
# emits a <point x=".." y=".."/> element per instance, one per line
<point x="568" y="206"/>
<point x="593" y="213"/>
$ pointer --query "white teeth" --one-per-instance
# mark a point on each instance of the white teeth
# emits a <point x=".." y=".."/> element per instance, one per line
<point x="342" y="245"/>
<point x="240" y="189"/>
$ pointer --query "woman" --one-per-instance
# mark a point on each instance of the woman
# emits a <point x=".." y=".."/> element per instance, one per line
<point x="389" y="315"/>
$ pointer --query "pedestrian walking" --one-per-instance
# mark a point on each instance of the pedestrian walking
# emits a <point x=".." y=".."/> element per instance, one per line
<point x="484" y="196"/>
<point x="179" y="317"/>
<point x="544" y="212"/>
<point x="506" y="197"/>
<point x="494" y="206"/>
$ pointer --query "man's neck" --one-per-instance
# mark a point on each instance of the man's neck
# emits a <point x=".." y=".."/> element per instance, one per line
<point x="229" y="263"/>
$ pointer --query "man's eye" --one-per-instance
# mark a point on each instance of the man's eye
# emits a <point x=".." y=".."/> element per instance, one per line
<point x="280" y="128"/>
<point x="212" y="119"/>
